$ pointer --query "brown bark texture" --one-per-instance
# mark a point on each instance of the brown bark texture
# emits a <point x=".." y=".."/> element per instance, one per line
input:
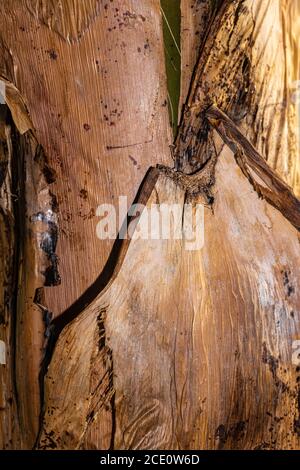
<point x="146" y="344"/>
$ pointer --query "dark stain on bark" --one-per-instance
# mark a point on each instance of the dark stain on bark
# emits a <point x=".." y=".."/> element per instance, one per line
<point x="48" y="245"/>
<point x="235" y="432"/>
<point x="42" y="160"/>
<point x="290" y="289"/>
<point x="273" y="364"/>
<point x="52" y="54"/>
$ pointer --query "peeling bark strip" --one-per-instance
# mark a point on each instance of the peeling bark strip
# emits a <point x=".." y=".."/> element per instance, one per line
<point x="37" y="267"/>
<point x="277" y="192"/>
<point x="28" y="265"/>
<point x="17" y="107"/>
<point x="33" y="265"/>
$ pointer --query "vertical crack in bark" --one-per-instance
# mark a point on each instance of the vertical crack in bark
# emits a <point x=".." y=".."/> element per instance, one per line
<point x="103" y="392"/>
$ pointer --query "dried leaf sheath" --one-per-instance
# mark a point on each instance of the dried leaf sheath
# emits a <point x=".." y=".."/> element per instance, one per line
<point x="234" y="302"/>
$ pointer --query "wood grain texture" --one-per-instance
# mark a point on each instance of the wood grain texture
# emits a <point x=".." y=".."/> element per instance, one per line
<point x="69" y="18"/>
<point x="272" y="123"/>
<point x="81" y="90"/>
<point x="97" y="107"/>
<point x="195" y="21"/>
<point x="248" y="68"/>
<point x="205" y="360"/>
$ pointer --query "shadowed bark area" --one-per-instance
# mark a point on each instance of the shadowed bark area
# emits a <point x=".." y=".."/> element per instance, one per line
<point x="9" y="429"/>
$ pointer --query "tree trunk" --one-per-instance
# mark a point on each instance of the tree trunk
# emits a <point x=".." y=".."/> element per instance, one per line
<point x="149" y="342"/>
